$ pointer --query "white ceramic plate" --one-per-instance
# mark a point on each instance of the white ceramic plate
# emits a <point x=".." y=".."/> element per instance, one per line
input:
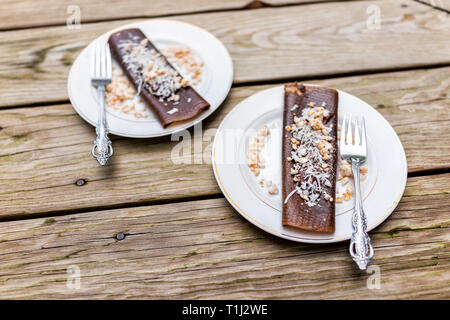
<point x="382" y="189"/>
<point x="217" y="77"/>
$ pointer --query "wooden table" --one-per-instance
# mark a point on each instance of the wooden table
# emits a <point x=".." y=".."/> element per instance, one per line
<point x="143" y="227"/>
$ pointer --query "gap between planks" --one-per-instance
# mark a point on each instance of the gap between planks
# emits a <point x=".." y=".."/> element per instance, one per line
<point x="442" y="5"/>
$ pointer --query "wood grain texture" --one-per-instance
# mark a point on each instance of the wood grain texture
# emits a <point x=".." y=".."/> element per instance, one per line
<point x="439" y="4"/>
<point x="266" y="44"/>
<point x="204" y="249"/>
<point x="32" y="13"/>
<point x="45" y="150"/>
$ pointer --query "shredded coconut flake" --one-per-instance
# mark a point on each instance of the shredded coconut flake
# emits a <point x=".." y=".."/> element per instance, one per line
<point x="291" y="194"/>
<point x="172" y="111"/>
<point x="152" y="69"/>
<point x="311" y="152"/>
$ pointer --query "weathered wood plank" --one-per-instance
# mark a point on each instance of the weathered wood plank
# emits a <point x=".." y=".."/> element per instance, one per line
<point x="266" y="44"/>
<point x="204" y="249"/>
<point x="32" y="13"/>
<point x="45" y="150"/>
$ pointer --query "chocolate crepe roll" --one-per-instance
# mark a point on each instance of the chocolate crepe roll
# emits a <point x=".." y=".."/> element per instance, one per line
<point x="309" y="154"/>
<point x="158" y="83"/>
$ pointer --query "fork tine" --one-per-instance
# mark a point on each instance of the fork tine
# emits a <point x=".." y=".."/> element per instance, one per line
<point x="92" y="67"/>
<point x="343" y="132"/>
<point x="354" y="128"/>
<point x="349" y="131"/>
<point x="98" y="61"/>
<point x="103" y="61"/>
<point x="363" y="132"/>
<point x="108" y="62"/>
<point x="357" y="131"/>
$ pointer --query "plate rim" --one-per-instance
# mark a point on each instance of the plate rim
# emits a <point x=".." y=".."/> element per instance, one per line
<point x="283" y="235"/>
<point x="185" y="126"/>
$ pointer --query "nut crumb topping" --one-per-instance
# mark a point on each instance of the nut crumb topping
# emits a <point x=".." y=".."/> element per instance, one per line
<point x="272" y="188"/>
<point x="153" y="72"/>
<point x="295" y="88"/>
<point x="311" y="155"/>
<point x="345" y="174"/>
<point x="254" y="160"/>
<point x="185" y="60"/>
<point x="121" y="96"/>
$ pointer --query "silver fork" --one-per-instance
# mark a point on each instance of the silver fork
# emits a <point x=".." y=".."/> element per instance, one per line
<point x="353" y="148"/>
<point x="101" y="74"/>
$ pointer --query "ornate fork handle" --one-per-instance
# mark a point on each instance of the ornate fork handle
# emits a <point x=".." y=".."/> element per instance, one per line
<point x="360" y="249"/>
<point x="102" y="149"/>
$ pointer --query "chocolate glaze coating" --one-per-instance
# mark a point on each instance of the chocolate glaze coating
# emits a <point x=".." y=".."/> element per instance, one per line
<point x="186" y="110"/>
<point x="295" y="212"/>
